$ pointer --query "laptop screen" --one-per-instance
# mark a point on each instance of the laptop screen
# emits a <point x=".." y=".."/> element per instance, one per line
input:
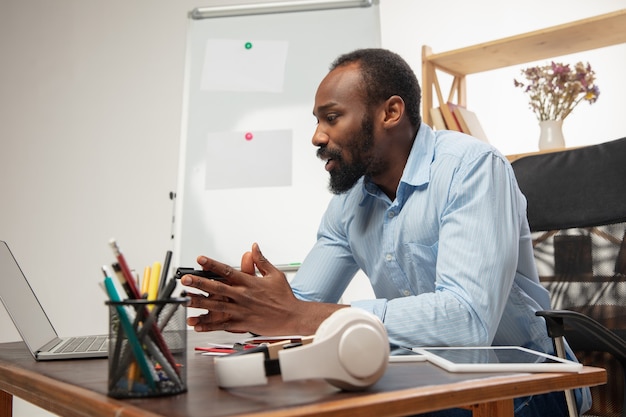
<point x="22" y="304"/>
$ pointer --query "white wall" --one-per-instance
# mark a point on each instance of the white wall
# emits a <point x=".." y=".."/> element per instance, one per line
<point x="90" y="100"/>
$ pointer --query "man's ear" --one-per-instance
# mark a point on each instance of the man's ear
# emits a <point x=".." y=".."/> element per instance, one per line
<point x="393" y="111"/>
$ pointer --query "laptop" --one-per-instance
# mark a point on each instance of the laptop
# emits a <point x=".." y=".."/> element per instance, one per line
<point x="32" y="322"/>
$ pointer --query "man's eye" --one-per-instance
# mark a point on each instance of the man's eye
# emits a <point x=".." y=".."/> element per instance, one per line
<point x="331" y="117"/>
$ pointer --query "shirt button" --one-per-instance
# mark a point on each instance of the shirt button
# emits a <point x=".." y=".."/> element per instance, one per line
<point x="391" y="214"/>
<point x="389" y="257"/>
<point x="406" y="292"/>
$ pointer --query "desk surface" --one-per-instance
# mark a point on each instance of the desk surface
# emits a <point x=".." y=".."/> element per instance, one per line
<point x="78" y="388"/>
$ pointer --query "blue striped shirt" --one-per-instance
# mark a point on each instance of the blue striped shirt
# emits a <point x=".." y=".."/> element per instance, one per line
<point x="450" y="259"/>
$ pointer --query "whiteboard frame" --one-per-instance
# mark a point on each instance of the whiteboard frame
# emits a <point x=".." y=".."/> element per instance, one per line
<point x="274" y="7"/>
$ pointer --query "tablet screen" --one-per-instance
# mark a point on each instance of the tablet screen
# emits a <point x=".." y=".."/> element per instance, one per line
<point x="496" y="358"/>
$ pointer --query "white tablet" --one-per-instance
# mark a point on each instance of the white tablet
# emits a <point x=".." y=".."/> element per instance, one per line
<point x="402" y="354"/>
<point x="496" y="359"/>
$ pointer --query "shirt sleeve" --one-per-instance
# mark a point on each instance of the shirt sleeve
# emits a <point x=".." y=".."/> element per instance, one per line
<point x="329" y="267"/>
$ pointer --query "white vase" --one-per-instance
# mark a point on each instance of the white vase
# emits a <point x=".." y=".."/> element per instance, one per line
<point x="551" y="134"/>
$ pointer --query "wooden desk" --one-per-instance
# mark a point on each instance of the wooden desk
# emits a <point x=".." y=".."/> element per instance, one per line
<point x="77" y="388"/>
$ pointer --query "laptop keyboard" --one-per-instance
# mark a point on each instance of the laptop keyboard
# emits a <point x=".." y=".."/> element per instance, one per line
<point x="86" y="344"/>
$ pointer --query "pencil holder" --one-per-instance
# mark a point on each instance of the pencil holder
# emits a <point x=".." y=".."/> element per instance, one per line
<point x="147" y="348"/>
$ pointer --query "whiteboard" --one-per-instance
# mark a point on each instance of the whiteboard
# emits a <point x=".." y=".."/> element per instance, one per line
<point x="247" y="168"/>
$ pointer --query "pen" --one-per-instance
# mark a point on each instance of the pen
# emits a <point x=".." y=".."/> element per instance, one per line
<point x="130" y="333"/>
<point x="106" y="273"/>
<point x="237" y="347"/>
<point x="126" y="272"/>
<point x="120" y="277"/>
<point x="118" y="338"/>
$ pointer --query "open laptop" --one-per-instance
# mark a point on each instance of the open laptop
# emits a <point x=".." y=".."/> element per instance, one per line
<point x="32" y="322"/>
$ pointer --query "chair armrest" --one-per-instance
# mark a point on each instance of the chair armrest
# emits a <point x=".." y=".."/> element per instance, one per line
<point x="562" y="322"/>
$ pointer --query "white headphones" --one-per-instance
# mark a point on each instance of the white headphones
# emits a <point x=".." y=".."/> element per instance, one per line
<point x="350" y="350"/>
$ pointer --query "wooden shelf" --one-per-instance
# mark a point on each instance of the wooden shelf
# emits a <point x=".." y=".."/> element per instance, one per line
<point x="515" y="157"/>
<point x="581" y="35"/>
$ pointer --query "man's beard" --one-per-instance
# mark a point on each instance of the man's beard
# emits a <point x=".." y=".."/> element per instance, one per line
<point x="345" y="175"/>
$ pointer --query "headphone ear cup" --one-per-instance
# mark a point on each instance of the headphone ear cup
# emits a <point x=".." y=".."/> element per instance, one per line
<point x="350" y="350"/>
<point x="362" y="348"/>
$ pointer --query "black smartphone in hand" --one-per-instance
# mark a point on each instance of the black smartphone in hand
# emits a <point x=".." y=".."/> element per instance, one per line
<point x="197" y="272"/>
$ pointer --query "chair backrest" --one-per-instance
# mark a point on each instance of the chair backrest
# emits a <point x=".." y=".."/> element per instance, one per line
<point x="577" y="213"/>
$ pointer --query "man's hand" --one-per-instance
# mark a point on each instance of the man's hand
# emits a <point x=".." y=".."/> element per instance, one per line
<point x="245" y="302"/>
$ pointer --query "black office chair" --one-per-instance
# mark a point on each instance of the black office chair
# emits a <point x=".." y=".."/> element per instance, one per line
<point x="577" y="213"/>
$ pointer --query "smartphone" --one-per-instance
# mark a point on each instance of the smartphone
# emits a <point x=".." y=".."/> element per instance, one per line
<point x="197" y="272"/>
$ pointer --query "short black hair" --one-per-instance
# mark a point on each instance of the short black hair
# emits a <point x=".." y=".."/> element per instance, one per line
<point x="385" y="74"/>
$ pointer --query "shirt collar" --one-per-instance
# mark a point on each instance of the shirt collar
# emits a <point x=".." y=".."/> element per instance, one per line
<point x="417" y="169"/>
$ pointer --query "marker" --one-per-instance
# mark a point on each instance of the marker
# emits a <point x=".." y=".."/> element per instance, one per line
<point x="165" y="271"/>
<point x="153" y="285"/>
<point x="290" y="267"/>
<point x="145" y="281"/>
<point x="168" y="290"/>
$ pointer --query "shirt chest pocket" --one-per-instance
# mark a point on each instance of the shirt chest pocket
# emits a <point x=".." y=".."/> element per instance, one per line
<point x="419" y="263"/>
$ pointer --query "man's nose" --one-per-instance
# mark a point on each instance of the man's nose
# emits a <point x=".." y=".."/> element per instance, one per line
<point x="319" y="137"/>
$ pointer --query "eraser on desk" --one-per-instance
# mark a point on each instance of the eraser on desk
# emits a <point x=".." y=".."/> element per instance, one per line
<point x="228" y="370"/>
